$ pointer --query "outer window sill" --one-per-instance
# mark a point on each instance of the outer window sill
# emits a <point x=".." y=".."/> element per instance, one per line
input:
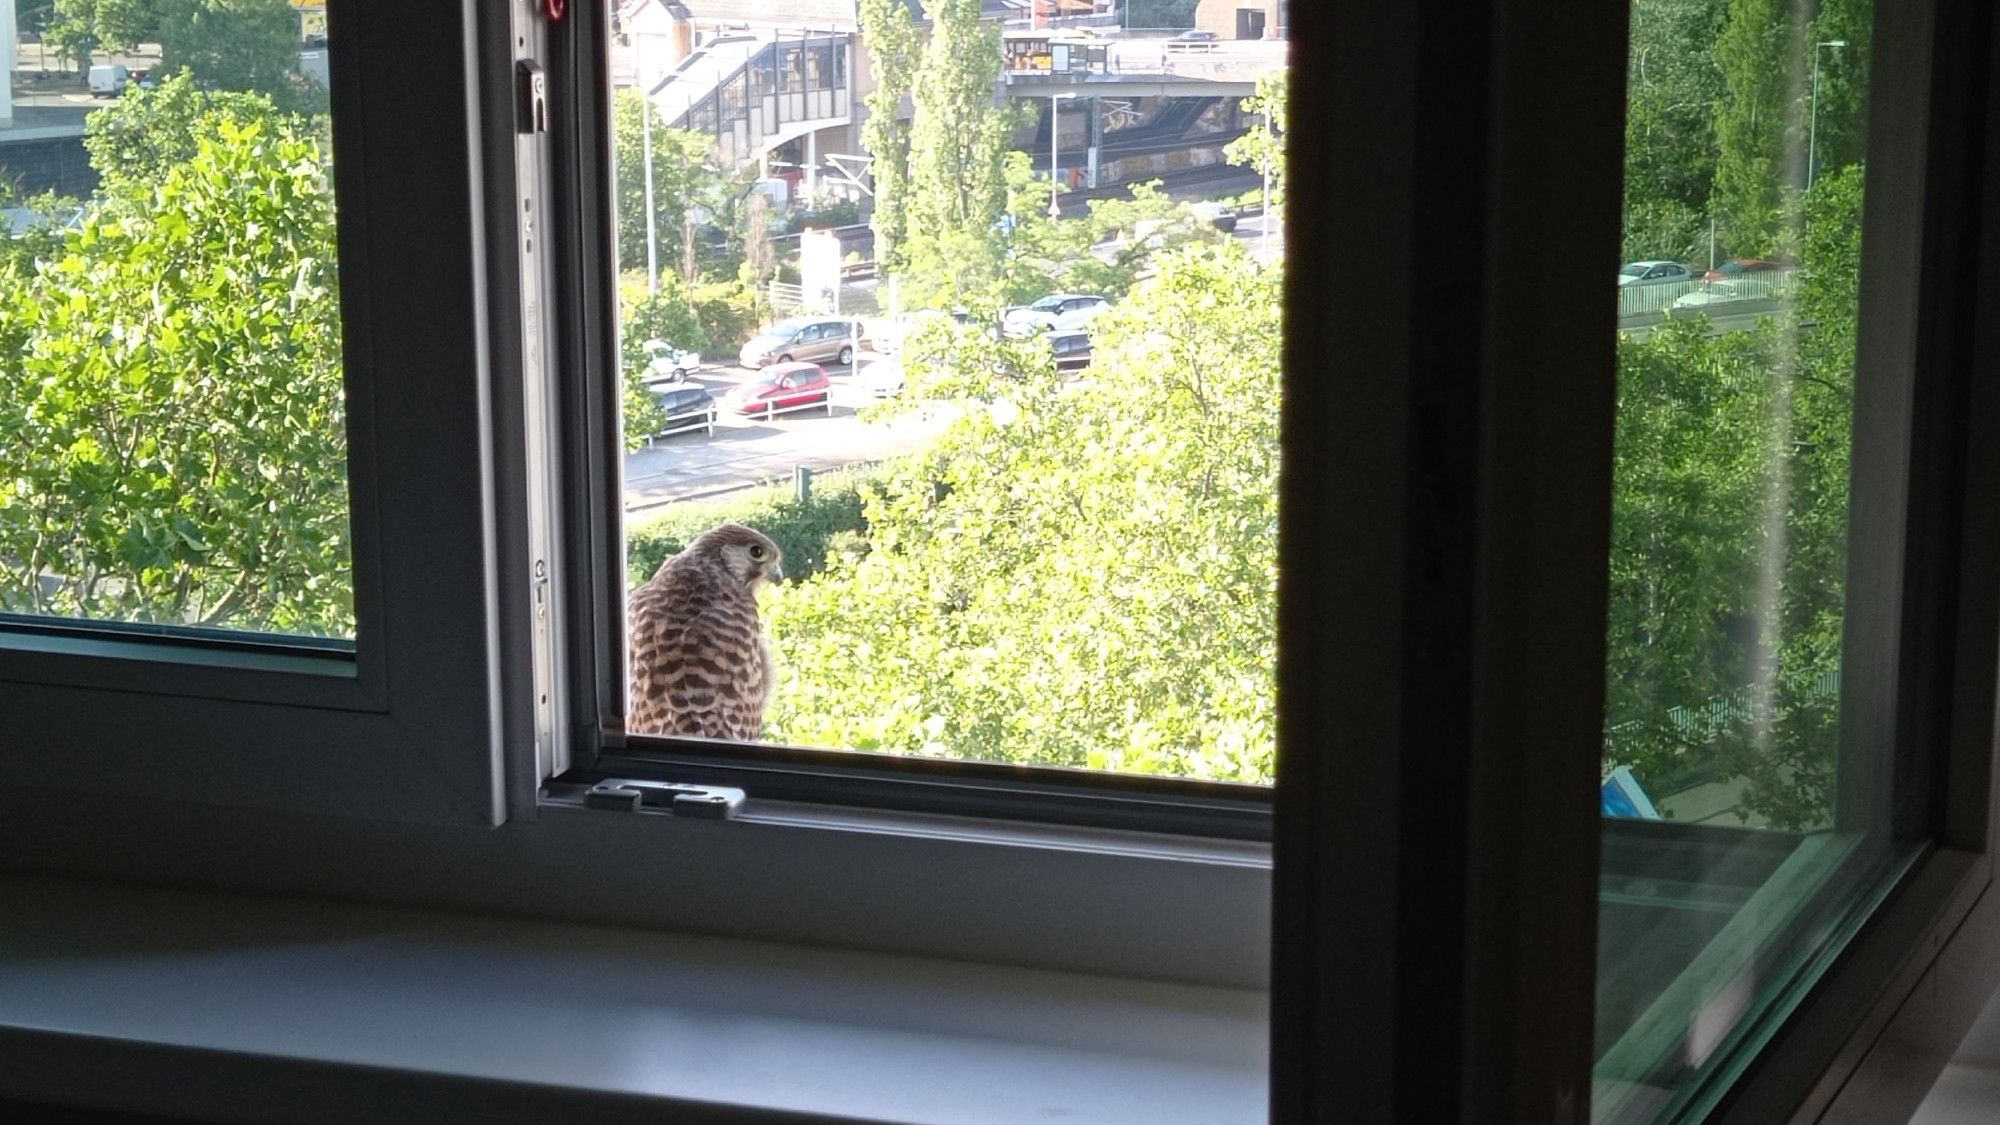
<point x="242" y="1007"/>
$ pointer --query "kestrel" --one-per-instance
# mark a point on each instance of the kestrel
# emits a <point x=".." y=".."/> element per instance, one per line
<point x="700" y="663"/>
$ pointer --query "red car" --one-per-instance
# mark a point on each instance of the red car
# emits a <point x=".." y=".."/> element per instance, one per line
<point x="782" y="387"/>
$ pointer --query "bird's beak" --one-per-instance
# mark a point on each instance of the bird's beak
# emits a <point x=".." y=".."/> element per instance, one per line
<point x="776" y="573"/>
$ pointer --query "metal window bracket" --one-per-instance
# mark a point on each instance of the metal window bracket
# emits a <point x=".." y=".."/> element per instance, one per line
<point x="708" y="802"/>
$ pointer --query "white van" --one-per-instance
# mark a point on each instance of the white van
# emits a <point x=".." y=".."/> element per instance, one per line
<point x="108" y="81"/>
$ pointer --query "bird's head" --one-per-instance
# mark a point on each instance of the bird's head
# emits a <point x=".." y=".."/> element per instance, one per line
<point x="747" y="555"/>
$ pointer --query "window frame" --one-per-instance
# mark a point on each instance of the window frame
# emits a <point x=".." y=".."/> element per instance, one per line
<point x="1470" y="992"/>
<point x="1459" y="999"/>
<point x="599" y="746"/>
<point x="402" y="728"/>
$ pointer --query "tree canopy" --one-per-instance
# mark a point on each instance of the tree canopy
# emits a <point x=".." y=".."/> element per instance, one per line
<point x="1077" y="573"/>
<point x="176" y="365"/>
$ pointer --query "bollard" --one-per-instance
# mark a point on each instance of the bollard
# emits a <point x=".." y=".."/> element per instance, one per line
<point x="802" y="479"/>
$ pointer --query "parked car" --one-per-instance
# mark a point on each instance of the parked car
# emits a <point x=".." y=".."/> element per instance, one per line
<point x="1071" y="350"/>
<point x="1652" y="273"/>
<point x="1194" y="39"/>
<point x="1711" y="293"/>
<point x="803" y="338"/>
<point x="1057" y="312"/>
<point x="882" y="378"/>
<point x="782" y="387"/>
<point x="108" y="80"/>
<point x="687" y="409"/>
<point x="665" y="362"/>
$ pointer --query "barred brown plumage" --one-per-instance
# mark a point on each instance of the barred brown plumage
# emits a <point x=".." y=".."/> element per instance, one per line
<point x="700" y="664"/>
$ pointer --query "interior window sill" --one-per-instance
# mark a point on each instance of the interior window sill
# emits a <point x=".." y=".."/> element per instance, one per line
<point x="241" y="1007"/>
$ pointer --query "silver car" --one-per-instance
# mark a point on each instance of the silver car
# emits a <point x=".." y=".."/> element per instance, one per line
<point x="807" y="339"/>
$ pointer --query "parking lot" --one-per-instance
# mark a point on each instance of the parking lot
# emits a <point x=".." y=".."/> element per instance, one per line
<point x="744" y="452"/>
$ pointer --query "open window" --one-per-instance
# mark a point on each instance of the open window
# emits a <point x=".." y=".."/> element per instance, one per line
<point x="243" y="380"/>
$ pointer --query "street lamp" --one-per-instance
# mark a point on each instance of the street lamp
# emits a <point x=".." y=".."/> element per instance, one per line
<point x="1812" y="130"/>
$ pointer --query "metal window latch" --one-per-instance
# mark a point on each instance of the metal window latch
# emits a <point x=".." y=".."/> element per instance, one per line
<point x="531" y="95"/>
<point x="708" y="802"/>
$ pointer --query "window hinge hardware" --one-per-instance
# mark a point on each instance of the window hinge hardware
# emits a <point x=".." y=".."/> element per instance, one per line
<point x="709" y="802"/>
<point x="531" y="92"/>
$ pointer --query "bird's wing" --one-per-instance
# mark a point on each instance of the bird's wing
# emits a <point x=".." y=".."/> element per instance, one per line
<point x="702" y="675"/>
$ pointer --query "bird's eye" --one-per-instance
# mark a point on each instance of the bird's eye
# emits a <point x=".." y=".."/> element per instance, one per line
<point x="757" y="552"/>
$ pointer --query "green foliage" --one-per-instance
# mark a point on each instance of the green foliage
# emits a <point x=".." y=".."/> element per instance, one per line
<point x="139" y="138"/>
<point x="1664" y="228"/>
<point x="83" y="26"/>
<point x="176" y="369"/>
<point x="687" y="182"/>
<point x="893" y="52"/>
<point x="1674" y="89"/>
<point x="1759" y="141"/>
<point x="1263" y="147"/>
<point x="71" y="31"/>
<point x="1729" y="535"/>
<point x="727" y="313"/>
<point x="958" y="146"/>
<point x="34" y="15"/>
<point x="667" y="315"/>
<point x="237" y="45"/>
<point x="123" y="24"/>
<point x="1843" y="81"/>
<point x="1105" y="252"/>
<point x="1076" y="574"/>
<point x="806" y="531"/>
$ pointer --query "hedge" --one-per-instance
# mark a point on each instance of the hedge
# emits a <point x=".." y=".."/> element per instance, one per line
<point x="801" y="529"/>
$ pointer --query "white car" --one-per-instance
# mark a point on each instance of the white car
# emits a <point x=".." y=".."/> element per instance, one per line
<point x="883" y="378"/>
<point x="1714" y="293"/>
<point x="1057" y="312"/>
<point x="666" y="363"/>
<point x="1652" y="273"/>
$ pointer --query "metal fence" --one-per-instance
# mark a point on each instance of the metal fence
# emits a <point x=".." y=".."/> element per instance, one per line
<point x="852" y="298"/>
<point x="1659" y="297"/>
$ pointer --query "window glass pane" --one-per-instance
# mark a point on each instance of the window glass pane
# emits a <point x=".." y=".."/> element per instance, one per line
<point x="986" y="556"/>
<point x="172" y="431"/>
<point x="1740" y="834"/>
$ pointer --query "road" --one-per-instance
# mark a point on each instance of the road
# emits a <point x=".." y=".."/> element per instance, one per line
<point x="744" y="452"/>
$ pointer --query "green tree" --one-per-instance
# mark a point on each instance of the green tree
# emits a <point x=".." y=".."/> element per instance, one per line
<point x="1843" y="81"/>
<point x="34" y="15"/>
<point x="122" y="24"/>
<point x="176" y="369"/>
<point x="667" y="315"/>
<point x="958" y="145"/>
<point x="1263" y="147"/>
<point x="138" y="139"/>
<point x="1075" y="574"/>
<point x="236" y="45"/>
<point x="1674" y="89"/>
<point x="1104" y="252"/>
<point x="1760" y="145"/>
<point x="688" y="183"/>
<point x="893" y="53"/>
<point x="1729" y="536"/>
<point x="71" y="31"/>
